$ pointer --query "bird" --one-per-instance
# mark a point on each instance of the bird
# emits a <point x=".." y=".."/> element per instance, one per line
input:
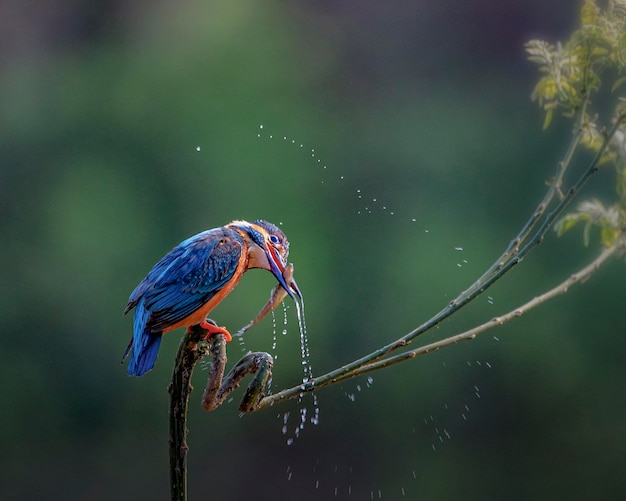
<point x="195" y="276"/>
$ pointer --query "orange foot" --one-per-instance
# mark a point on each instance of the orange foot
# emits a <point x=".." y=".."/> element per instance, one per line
<point x="213" y="329"/>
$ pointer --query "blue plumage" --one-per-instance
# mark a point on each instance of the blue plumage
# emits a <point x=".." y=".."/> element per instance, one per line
<point x="145" y="347"/>
<point x="182" y="282"/>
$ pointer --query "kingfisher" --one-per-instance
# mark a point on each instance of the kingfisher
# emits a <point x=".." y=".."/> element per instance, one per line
<point x="195" y="276"/>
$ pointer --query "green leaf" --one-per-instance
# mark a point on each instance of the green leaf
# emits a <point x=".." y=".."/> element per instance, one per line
<point x="618" y="83"/>
<point x="589" y="13"/>
<point x="566" y="223"/>
<point x="609" y="235"/>
<point x="548" y="118"/>
<point x="587" y="233"/>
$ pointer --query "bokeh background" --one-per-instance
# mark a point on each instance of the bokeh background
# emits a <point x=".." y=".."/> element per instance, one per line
<point x="397" y="145"/>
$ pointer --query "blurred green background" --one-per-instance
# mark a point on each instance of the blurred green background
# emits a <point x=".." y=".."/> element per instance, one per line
<point x="383" y="136"/>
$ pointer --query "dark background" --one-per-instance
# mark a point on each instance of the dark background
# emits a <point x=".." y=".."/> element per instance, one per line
<point x="423" y="106"/>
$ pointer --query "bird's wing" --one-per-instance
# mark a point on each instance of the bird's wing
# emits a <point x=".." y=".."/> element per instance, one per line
<point x="188" y="277"/>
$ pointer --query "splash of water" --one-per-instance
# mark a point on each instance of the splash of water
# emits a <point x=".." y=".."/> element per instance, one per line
<point x="307" y="369"/>
<point x="307" y="379"/>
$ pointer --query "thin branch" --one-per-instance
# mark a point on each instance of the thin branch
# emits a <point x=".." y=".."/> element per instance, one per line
<point x="578" y="277"/>
<point x="554" y="188"/>
<point x="501" y="268"/>
<point x="341" y="374"/>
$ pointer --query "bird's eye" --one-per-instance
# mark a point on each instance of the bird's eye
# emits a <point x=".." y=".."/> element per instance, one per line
<point x="274" y="239"/>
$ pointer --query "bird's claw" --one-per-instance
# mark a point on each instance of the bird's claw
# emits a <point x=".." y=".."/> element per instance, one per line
<point x="212" y="328"/>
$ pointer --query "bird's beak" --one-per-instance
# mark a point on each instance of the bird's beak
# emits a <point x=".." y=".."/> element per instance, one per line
<point x="282" y="272"/>
<point x="276" y="297"/>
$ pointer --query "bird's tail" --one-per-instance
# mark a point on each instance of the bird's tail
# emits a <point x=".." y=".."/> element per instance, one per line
<point x="144" y="344"/>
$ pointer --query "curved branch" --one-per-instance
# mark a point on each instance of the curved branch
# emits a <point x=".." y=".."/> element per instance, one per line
<point x="346" y="372"/>
<point x="488" y="279"/>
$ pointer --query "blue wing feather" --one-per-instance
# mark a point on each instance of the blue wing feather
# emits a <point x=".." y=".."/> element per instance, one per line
<point x="179" y="284"/>
<point x="145" y="346"/>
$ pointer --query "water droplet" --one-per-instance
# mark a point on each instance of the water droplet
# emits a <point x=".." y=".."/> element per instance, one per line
<point x="458" y="248"/>
<point x="261" y="126"/>
<point x="197" y="148"/>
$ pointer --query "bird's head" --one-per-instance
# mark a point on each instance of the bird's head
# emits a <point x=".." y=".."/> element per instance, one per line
<point x="268" y="248"/>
